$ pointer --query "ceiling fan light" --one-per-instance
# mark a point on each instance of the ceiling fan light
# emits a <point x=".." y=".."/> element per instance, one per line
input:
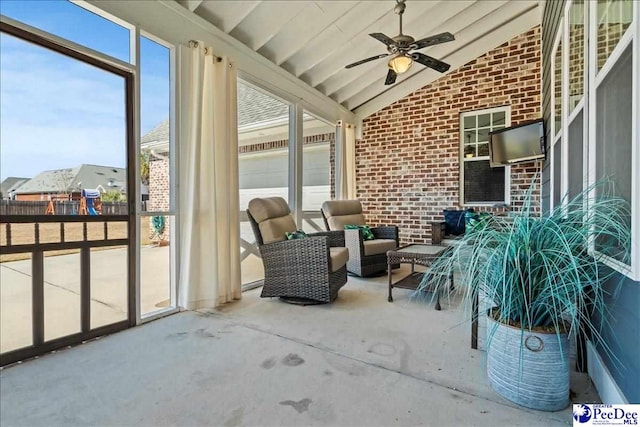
<point x="400" y="64"/>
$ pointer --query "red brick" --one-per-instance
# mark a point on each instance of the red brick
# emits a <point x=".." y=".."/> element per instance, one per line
<point x="408" y="158"/>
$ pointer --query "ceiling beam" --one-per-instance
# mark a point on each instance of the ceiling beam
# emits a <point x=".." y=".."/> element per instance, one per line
<point x="265" y="21"/>
<point x="311" y="23"/>
<point x="226" y="15"/>
<point x="480" y="46"/>
<point x="345" y="29"/>
<point x="191" y="5"/>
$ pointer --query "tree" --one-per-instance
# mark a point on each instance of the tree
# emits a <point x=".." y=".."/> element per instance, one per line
<point x="62" y="180"/>
<point x="113" y="196"/>
<point x="145" y="158"/>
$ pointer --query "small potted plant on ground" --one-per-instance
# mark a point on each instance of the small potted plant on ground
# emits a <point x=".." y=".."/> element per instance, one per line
<point x="158" y="226"/>
<point x="543" y="274"/>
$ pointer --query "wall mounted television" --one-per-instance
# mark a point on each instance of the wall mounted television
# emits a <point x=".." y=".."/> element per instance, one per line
<point x="521" y="143"/>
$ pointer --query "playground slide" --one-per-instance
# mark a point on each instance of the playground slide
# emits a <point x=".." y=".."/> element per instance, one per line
<point x="91" y="210"/>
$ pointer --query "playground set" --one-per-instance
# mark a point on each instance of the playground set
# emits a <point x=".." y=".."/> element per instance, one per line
<point x="90" y="204"/>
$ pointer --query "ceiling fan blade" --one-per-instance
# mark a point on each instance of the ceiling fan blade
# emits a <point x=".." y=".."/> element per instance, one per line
<point x="430" y="62"/>
<point x="383" y="38"/>
<point x="391" y="77"/>
<point x="430" y="41"/>
<point x="362" y="61"/>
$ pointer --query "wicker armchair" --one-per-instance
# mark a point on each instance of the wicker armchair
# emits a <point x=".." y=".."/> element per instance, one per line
<point x="366" y="257"/>
<point x="303" y="271"/>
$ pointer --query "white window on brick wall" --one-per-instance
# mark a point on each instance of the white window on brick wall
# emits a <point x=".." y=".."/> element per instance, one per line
<point x="480" y="184"/>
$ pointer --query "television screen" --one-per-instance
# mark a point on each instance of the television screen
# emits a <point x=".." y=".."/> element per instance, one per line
<point x="515" y="144"/>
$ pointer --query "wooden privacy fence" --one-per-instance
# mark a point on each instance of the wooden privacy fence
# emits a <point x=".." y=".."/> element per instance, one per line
<point x="61" y="207"/>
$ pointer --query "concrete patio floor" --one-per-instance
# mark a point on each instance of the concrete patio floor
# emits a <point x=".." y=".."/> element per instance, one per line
<point x="359" y="361"/>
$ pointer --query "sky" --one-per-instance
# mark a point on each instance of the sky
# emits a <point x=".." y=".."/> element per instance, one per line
<point x="57" y="112"/>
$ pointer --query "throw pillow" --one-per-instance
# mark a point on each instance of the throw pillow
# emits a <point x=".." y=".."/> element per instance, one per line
<point x="470" y="217"/>
<point x="367" y="234"/>
<point x="299" y="234"/>
<point x="476" y="222"/>
<point x="454" y="221"/>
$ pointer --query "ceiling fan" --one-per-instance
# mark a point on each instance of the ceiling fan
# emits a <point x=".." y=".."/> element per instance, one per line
<point x="401" y="46"/>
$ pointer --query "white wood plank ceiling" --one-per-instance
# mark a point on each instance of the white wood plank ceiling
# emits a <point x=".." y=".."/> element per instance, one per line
<point x="314" y="40"/>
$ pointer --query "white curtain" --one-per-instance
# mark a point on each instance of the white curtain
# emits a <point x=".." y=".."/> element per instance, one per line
<point x="345" y="181"/>
<point x="210" y="261"/>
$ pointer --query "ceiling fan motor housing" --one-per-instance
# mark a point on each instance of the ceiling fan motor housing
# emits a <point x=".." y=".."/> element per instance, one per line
<point x="403" y="42"/>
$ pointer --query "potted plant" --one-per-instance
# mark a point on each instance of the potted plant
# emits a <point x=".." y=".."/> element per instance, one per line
<point x="544" y="276"/>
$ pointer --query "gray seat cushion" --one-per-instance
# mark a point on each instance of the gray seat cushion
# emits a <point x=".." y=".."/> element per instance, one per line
<point x="339" y="257"/>
<point x="378" y="246"/>
<point x="275" y="229"/>
<point x="268" y="207"/>
<point x="343" y="212"/>
<point x="273" y="217"/>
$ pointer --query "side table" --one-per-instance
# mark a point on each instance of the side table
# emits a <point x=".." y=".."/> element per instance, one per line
<point x="424" y="255"/>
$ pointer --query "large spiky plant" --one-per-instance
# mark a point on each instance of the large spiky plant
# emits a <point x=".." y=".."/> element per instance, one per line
<point x="541" y="271"/>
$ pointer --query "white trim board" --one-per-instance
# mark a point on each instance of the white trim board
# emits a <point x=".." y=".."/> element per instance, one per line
<point x="607" y="388"/>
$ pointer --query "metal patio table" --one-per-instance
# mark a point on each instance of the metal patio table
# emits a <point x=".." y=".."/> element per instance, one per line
<point x="419" y="254"/>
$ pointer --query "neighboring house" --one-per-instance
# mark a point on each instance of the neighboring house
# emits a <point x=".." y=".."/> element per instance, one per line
<point x="68" y="183"/>
<point x="156" y="192"/>
<point x="157" y="140"/>
<point x="263" y="139"/>
<point x="10" y="185"/>
<point x="256" y="111"/>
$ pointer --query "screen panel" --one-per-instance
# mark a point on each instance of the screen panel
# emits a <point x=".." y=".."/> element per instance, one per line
<point x="575" y="157"/>
<point x="557" y="173"/>
<point x="483" y="183"/>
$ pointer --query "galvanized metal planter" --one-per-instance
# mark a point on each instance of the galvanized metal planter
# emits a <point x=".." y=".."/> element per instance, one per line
<point x="528" y="368"/>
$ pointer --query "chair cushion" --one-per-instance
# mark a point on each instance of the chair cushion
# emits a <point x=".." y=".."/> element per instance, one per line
<point x="341" y="207"/>
<point x="339" y="257"/>
<point x="338" y="222"/>
<point x="378" y="246"/>
<point x="267" y="208"/>
<point x="367" y="234"/>
<point x="273" y="217"/>
<point x="274" y="229"/>
<point x="343" y="212"/>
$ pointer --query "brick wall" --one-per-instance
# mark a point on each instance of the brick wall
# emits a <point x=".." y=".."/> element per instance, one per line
<point x="159" y="188"/>
<point x="407" y="162"/>
<point x="158" y="185"/>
